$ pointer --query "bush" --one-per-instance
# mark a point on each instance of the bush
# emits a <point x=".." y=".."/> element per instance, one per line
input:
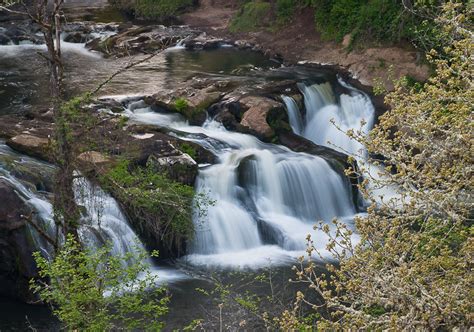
<point x="162" y="206"/>
<point x="285" y="9"/>
<point x="382" y="20"/>
<point x="411" y="270"/>
<point x="251" y="16"/>
<point x="92" y="290"/>
<point x="153" y="9"/>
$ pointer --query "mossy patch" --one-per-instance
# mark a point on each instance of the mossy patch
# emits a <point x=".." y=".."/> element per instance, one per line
<point x="161" y="209"/>
<point x="251" y="16"/>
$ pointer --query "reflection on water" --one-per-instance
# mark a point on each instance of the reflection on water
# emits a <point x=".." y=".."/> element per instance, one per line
<point x="24" y="80"/>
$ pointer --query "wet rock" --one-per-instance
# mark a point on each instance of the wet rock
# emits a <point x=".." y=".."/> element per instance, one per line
<point x="93" y="160"/>
<point x="17" y="265"/>
<point x="4" y="40"/>
<point x="189" y="102"/>
<point x="12" y="208"/>
<point x="255" y="118"/>
<point x="181" y="168"/>
<point x="75" y="38"/>
<point x="146" y="39"/>
<point x="203" y="42"/>
<point x="31" y="145"/>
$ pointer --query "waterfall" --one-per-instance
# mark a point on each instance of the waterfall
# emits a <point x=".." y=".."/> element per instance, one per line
<point x="294" y="114"/>
<point x="266" y="197"/>
<point x="102" y="220"/>
<point x="328" y="119"/>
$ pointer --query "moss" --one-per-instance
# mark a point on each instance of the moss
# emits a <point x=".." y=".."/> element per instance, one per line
<point x="189" y="149"/>
<point x="181" y="105"/>
<point x="195" y="115"/>
<point x="251" y="16"/>
<point x="153" y="9"/>
<point x="160" y="207"/>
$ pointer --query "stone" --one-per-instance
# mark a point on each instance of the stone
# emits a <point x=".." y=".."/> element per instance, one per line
<point x="93" y="157"/>
<point x="181" y="168"/>
<point x="255" y="118"/>
<point x="12" y="208"/>
<point x="31" y="145"/>
<point x="17" y="265"/>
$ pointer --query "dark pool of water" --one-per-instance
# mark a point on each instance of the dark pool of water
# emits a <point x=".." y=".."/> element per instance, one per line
<point x="24" y="79"/>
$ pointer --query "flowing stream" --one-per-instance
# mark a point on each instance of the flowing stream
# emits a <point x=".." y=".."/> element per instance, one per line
<point x="103" y="222"/>
<point x="266" y="198"/>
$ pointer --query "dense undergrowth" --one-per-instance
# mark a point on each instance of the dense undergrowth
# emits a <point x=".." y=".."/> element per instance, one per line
<point x="152" y="9"/>
<point x="377" y="21"/>
<point x="158" y="204"/>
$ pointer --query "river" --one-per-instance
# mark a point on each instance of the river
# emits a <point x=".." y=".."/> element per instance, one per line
<point x="267" y="197"/>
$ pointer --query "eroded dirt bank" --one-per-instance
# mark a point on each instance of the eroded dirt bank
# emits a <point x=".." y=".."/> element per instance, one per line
<point x="299" y="41"/>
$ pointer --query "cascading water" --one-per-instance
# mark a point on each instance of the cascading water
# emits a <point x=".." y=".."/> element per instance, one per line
<point x="267" y="198"/>
<point x="294" y="114"/>
<point x="102" y="223"/>
<point x="328" y="119"/>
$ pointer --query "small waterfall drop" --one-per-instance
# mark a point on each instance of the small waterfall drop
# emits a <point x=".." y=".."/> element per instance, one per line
<point x="294" y="114"/>
<point x="102" y="221"/>
<point x="328" y="119"/>
<point x="267" y="197"/>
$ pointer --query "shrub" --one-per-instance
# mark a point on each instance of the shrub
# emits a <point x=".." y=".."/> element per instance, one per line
<point x="92" y="290"/>
<point x="251" y="16"/>
<point x="153" y="9"/>
<point x="157" y="202"/>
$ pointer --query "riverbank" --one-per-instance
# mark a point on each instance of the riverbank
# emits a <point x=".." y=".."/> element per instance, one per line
<point x="299" y="42"/>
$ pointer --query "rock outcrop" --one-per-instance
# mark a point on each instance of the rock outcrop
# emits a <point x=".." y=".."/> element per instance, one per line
<point x="256" y="114"/>
<point x="31" y="145"/>
<point x="17" y="265"/>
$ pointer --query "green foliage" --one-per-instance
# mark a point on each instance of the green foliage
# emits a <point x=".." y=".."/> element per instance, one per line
<point x="95" y="291"/>
<point x="153" y="9"/>
<point x="189" y="149"/>
<point x="162" y="205"/>
<point x="285" y="9"/>
<point x="181" y="105"/>
<point x="251" y="16"/>
<point x="382" y="20"/>
<point x="412" y="269"/>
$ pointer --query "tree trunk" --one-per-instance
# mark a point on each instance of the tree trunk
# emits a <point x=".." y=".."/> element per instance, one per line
<point x="66" y="213"/>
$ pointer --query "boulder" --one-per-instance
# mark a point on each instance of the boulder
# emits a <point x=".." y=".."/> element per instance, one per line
<point x="189" y="102"/>
<point x="93" y="161"/>
<point x="202" y="42"/>
<point x="181" y="168"/>
<point x="17" y="265"/>
<point x="255" y="118"/>
<point x="31" y="145"/>
<point x="11" y="209"/>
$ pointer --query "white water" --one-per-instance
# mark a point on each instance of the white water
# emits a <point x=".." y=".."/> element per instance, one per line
<point x="102" y="223"/>
<point x="329" y="118"/>
<point x="267" y="198"/>
<point x="294" y="115"/>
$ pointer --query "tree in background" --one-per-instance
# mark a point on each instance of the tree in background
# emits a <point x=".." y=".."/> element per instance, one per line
<point x="412" y="268"/>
